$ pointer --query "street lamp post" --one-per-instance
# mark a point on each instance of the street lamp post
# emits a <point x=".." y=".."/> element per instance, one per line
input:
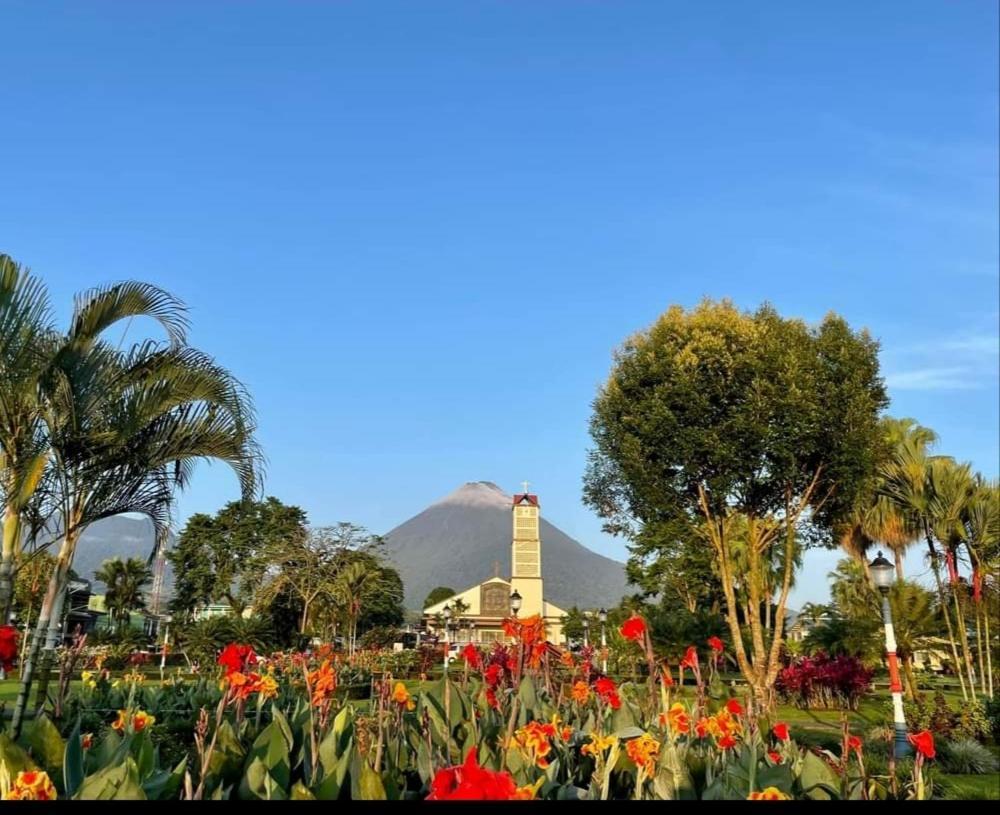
<point x="602" y="615"/>
<point x="586" y="631"/>
<point x="881" y="571"/>
<point x="472" y="631"/>
<point x="446" y="611"/>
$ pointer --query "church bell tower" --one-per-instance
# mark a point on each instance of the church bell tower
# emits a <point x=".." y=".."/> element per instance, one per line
<point x="526" y="554"/>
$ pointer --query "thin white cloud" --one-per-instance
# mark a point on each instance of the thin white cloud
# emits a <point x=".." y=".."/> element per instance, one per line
<point x="935" y="379"/>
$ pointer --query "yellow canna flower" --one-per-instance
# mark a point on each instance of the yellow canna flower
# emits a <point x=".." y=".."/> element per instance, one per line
<point x="31" y="786"/>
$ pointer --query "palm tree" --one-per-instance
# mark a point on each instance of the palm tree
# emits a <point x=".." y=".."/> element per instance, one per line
<point x="877" y="518"/>
<point x="982" y="541"/>
<point x="908" y="481"/>
<point x="951" y="488"/>
<point x="357" y="582"/>
<point x="126" y="428"/>
<point x="125" y="580"/>
<point x="25" y="333"/>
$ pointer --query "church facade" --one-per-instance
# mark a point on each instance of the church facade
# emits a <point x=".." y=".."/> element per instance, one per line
<point x="477" y="614"/>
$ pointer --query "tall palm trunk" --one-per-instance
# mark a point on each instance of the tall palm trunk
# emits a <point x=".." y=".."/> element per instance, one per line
<point x="51" y="609"/>
<point x="989" y="647"/>
<point x="979" y="650"/>
<point x="964" y="637"/>
<point x="8" y="556"/>
<point x="936" y="568"/>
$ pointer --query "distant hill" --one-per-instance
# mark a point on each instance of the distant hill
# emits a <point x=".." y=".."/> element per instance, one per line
<point x="123" y="536"/>
<point x="455" y="542"/>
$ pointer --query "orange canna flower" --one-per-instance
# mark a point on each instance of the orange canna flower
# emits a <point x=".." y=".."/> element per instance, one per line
<point x="643" y="751"/>
<point x="566" y="658"/>
<point x="668" y="679"/>
<point x="678" y="719"/>
<point x="580" y="693"/>
<point x="141" y="720"/>
<point x="324" y="682"/>
<point x="534" y="740"/>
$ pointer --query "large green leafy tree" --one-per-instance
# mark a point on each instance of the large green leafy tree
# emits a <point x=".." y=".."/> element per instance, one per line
<point x="221" y="557"/>
<point x="125" y="581"/>
<point x="713" y="415"/>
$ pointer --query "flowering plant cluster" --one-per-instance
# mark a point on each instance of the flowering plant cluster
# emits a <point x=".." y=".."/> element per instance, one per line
<point x="518" y="721"/>
<point x="824" y="681"/>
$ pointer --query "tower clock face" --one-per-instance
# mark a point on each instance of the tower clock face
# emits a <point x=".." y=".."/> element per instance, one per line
<point x="494" y="600"/>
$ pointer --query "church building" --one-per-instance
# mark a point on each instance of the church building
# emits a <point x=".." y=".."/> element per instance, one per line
<point x="477" y="614"/>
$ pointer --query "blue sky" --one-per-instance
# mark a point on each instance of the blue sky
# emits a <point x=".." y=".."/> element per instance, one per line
<point x="418" y="230"/>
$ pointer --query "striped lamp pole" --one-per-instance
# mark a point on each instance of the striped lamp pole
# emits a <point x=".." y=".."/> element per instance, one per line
<point x="881" y="571"/>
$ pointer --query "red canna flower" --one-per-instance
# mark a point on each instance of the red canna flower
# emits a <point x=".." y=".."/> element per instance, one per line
<point x="854" y="743"/>
<point x="668" y="679"/>
<point x="634" y="628"/>
<point x="923" y="742"/>
<point x="236" y="657"/>
<point x="781" y="731"/>
<point x="470" y="782"/>
<point x="472" y="656"/>
<point x="608" y="692"/>
<point x="716" y="645"/>
<point x="690" y="658"/>
<point x="492" y="675"/>
<point x="734" y="707"/>
<point x="727" y="742"/>
<point x="774" y="756"/>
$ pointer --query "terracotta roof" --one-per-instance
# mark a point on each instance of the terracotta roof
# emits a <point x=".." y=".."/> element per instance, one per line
<point x="520" y="498"/>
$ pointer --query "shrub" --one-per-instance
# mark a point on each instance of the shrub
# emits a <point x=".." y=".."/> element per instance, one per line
<point x="824" y="681"/>
<point x="967" y="721"/>
<point x="992" y="712"/>
<point x="966" y="757"/>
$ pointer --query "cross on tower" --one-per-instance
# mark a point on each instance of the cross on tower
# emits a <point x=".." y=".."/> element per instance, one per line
<point x="525" y="484"/>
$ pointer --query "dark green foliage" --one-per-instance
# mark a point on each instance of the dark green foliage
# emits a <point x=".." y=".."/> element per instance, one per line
<point x="218" y="557"/>
<point x="384" y="609"/>
<point x="438" y="594"/>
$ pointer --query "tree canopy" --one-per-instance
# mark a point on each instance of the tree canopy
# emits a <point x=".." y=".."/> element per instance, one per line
<point x="717" y="419"/>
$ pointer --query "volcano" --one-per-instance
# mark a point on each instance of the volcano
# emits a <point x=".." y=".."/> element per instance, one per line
<point x="456" y="542"/>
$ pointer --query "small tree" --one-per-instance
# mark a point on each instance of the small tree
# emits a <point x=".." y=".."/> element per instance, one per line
<point x="439" y="594"/>
<point x="125" y="581"/>
<point x="721" y="419"/>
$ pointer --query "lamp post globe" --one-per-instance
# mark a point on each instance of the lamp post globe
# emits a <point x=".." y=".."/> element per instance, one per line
<point x="881" y="571"/>
<point x="515" y="602"/>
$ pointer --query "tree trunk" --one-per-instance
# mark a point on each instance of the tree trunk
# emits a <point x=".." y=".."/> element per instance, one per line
<point x="935" y="567"/>
<point x="8" y="557"/>
<point x="989" y="649"/>
<point x="964" y="637"/>
<point x="51" y="605"/>
<point x="305" y="617"/>
<point x="898" y="555"/>
<point x="979" y="650"/>
<point x="911" y="681"/>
